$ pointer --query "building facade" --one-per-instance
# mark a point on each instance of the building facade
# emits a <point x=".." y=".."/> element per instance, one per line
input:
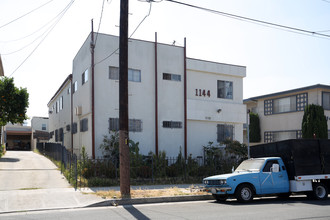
<point x="281" y="114"/>
<point x="175" y="103"/>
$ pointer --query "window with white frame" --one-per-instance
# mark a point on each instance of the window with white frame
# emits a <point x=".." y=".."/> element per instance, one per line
<point x="224" y="132"/>
<point x="134" y="75"/>
<point x="43" y="127"/>
<point x="286" y="104"/>
<point x="57" y="106"/>
<point x="326" y="100"/>
<point x="75" y="87"/>
<point x="225" y="89"/>
<point x="61" y="102"/>
<point x="84" y="77"/>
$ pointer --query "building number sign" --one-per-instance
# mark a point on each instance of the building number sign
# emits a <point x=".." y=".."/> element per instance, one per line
<point x="203" y="92"/>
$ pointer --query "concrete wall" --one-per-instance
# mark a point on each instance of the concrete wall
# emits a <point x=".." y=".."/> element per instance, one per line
<point x="202" y="111"/>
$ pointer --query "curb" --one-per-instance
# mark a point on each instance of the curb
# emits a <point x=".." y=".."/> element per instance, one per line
<point x="116" y="202"/>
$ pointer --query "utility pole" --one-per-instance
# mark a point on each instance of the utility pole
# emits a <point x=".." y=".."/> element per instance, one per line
<point x="123" y="102"/>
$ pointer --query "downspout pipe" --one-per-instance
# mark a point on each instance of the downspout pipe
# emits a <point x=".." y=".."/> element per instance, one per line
<point x="93" y="92"/>
<point x="185" y="98"/>
<point x="156" y="98"/>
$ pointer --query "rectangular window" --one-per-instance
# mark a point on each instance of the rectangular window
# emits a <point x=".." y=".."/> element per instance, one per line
<point x="61" y="134"/>
<point x="326" y="100"/>
<point x="172" y="77"/>
<point x="225" y="89"/>
<point x="135" y="125"/>
<point x="172" y="124"/>
<point x="69" y="90"/>
<point x="56" y="135"/>
<point x="43" y="127"/>
<point x="84" y="77"/>
<point x="225" y="132"/>
<point x="57" y="106"/>
<point x="75" y="87"/>
<point x="113" y="73"/>
<point x="84" y="125"/>
<point x="68" y="128"/>
<point x="286" y="104"/>
<point x="61" y="102"/>
<point x="74" y="128"/>
<point x="133" y="75"/>
<point x="273" y="136"/>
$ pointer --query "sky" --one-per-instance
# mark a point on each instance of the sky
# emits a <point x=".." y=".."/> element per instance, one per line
<point x="37" y="50"/>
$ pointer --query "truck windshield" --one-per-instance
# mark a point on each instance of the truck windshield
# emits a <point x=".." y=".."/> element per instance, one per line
<point x="250" y="165"/>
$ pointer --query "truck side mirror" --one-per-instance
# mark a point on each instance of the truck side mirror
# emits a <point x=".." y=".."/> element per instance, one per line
<point x="275" y="168"/>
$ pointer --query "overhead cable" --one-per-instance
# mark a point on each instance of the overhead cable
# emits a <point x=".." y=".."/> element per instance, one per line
<point x="46" y="34"/>
<point x="25" y="14"/>
<point x="298" y="30"/>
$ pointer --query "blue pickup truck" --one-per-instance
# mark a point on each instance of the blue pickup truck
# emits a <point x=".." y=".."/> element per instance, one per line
<point x="271" y="176"/>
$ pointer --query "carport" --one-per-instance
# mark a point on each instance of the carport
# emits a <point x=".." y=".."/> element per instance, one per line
<point x="18" y="137"/>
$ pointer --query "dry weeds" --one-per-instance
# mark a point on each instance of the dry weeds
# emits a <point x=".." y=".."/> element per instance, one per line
<point x="147" y="193"/>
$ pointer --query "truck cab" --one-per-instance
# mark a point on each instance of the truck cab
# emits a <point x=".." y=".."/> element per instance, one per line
<point x="257" y="176"/>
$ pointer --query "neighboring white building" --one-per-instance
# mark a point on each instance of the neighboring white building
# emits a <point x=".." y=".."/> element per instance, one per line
<point x="39" y="123"/>
<point x="281" y="113"/>
<point x="175" y="103"/>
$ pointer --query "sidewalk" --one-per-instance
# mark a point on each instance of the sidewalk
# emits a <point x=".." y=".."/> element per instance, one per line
<point x="29" y="181"/>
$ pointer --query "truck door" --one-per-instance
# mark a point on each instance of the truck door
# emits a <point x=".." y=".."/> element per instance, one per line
<point x="273" y="182"/>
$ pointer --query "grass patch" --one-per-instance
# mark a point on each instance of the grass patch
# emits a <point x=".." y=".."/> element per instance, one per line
<point x="148" y="193"/>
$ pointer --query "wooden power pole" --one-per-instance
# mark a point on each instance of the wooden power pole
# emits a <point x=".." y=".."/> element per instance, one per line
<point x="123" y="102"/>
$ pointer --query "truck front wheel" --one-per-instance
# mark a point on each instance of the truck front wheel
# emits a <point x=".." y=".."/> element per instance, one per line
<point x="244" y="193"/>
<point x="320" y="191"/>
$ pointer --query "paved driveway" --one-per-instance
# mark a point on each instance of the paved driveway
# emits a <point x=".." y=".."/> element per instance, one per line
<point x="29" y="181"/>
<point x="28" y="170"/>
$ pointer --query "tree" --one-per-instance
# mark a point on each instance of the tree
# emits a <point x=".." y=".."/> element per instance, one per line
<point x="13" y="102"/>
<point x="254" y="128"/>
<point x="314" y="123"/>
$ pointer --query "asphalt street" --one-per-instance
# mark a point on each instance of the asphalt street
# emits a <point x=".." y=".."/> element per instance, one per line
<point x="266" y="208"/>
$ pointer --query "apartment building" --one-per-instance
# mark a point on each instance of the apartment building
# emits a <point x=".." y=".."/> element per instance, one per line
<point x="175" y="103"/>
<point x="281" y="113"/>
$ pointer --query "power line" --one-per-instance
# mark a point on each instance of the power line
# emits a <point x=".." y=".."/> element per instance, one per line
<point x="268" y="24"/>
<point x="64" y="11"/>
<point x="58" y="15"/>
<point x="25" y="14"/>
<point x="98" y="29"/>
<point x="50" y="21"/>
<point x="128" y="38"/>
